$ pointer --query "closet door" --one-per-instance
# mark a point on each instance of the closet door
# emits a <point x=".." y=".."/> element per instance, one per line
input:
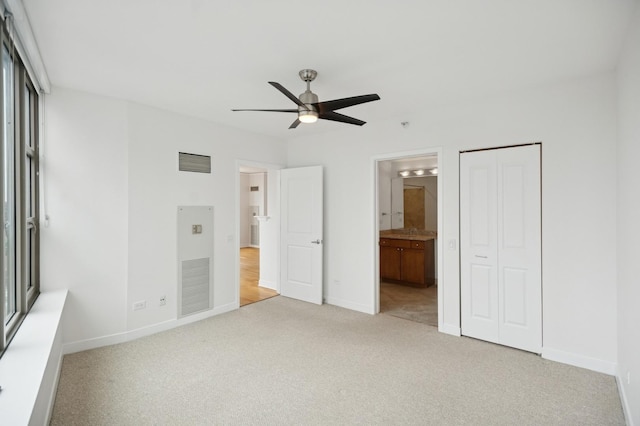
<point x="479" y="245"/>
<point x="501" y="289"/>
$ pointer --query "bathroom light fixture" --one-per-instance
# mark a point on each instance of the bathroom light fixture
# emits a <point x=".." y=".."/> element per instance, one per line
<point x="418" y="172"/>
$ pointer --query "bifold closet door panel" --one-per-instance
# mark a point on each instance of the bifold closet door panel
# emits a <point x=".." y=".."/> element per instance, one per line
<point x="519" y="247"/>
<point x="478" y="246"/>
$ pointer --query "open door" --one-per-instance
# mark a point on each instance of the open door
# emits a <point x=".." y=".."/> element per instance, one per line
<point x="301" y="233"/>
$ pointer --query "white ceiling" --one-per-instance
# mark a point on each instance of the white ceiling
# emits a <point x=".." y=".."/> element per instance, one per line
<point x="203" y="58"/>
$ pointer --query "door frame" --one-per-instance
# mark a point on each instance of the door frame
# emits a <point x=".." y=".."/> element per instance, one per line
<point x="272" y="170"/>
<point x="437" y="151"/>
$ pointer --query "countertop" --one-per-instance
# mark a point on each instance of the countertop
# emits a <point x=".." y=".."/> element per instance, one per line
<point x="405" y="234"/>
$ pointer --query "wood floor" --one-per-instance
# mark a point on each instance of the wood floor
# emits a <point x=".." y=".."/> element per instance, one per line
<point x="250" y="292"/>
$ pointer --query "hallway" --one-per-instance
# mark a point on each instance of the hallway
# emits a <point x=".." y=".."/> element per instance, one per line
<point x="250" y="291"/>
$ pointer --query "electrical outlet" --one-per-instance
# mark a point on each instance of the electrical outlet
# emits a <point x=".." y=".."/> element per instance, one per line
<point x="139" y="305"/>
<point x="163" y="300"/>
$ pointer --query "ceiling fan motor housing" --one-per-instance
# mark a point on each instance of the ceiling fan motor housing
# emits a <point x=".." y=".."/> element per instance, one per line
<point x="308" y="97"/>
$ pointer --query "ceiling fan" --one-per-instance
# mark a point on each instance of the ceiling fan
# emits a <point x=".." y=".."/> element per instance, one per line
<point x="310" y="110"/>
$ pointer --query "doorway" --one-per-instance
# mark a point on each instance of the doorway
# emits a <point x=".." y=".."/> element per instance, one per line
<point x="408" y="221"/>
<point x="250" y="290"/>
<point x="257" y="235"/>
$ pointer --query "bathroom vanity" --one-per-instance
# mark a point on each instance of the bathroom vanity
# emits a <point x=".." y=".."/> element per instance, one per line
<point x="407" y="258"/>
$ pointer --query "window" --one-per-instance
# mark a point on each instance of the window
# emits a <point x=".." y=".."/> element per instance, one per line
<point x="19" y="249"/>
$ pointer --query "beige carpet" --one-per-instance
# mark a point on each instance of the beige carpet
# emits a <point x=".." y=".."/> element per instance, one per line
<point x="410" y="303"/>
<point x="287" y="362"/>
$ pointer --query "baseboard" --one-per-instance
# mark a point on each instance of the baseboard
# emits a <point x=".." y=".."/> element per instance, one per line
<point x="449" y="329"/>
<point x="581" y="361"/>
<point x="137" y="333"/>
<point x="350" y="305"/>
<point x="267" y="284"/>
<point x="94" y="342"/>
<point x="626" y="409"/>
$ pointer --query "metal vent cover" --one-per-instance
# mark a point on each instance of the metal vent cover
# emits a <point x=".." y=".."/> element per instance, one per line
<point x="195" y="286"/>
<point x="194" y="163"/>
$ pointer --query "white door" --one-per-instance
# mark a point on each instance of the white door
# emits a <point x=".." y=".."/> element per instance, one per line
<point x="301" y="233"/>
<point x="500" y="246"/>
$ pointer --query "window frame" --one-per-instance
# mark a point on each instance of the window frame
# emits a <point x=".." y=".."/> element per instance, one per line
<point x="24" y="152"/>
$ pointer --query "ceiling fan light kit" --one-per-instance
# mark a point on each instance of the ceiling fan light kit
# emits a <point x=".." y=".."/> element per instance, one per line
<point x="310" y="109"/>
<point x="308" y="117"/>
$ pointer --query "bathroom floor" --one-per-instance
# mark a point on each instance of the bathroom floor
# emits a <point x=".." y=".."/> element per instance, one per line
<point x="413" y="304"/>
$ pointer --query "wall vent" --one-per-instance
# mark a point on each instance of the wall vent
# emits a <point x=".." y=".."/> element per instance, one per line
<point x="195" y="285"/>
<point x="194" y="163"/>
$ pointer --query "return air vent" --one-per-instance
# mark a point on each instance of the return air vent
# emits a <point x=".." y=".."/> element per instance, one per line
<point x="195" y="285"/>
<point x="194" y="163"/>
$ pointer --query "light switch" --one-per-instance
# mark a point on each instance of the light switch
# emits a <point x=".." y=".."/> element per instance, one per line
<point x="196" y="229"/>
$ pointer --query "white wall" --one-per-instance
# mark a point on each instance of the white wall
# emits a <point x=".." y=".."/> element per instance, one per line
<point x="112" y="188"/>
<point x="155" y="137"/>
<point x="270" y="232"/>
<point x="576" y="123"/>
<point x="628" y="225"/>
<point x="257" y="198"/>
<point x="245" y="223"/>
<point x="384" y="195"/>
<point x="84" y="248"/>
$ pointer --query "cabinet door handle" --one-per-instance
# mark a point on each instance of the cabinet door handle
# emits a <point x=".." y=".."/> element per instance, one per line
<point x="483" y="257"/>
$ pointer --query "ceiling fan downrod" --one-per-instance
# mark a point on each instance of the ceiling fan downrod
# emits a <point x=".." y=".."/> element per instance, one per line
<point x="308" y="97"/>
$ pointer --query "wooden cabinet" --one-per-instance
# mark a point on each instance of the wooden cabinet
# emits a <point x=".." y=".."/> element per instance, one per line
<point x="408" y="262"/>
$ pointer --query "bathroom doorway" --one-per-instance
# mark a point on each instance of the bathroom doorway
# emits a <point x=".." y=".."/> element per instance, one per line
<point x="407" y="237"/>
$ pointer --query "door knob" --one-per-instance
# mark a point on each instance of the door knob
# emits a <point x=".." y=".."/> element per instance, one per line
<point x="318" y="241"/>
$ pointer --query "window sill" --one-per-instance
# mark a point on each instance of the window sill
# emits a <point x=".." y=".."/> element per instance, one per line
<point x="30" y="367"/>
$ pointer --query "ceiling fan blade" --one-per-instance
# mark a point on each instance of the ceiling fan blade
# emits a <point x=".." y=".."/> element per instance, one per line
<point x="334" y="116"/>
<point x="345" y="102"/>
<point x="294" y="124"/>
<point x="287" y="93"/>
<point x="267" y="110"/>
